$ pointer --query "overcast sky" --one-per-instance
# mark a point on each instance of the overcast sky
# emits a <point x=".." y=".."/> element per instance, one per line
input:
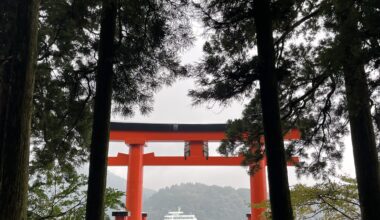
<point x="172" y="105"/>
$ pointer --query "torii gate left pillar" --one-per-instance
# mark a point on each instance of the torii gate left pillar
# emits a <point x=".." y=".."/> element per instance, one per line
<point x="258" y="189"/>
<point x="135" y="180"/>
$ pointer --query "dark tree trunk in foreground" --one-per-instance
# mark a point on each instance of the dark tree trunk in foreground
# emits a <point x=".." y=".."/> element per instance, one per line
<point x="16" y="92"/>
<point x="102" y="112"/>
<point x="275" y="152"/>
<point x="357" y="94"/>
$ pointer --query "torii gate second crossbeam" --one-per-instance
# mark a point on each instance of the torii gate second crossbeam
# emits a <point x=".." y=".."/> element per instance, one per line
<point x="196" y="137"/>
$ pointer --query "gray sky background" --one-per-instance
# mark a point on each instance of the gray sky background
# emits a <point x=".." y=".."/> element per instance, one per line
<point x="172" y="105"/>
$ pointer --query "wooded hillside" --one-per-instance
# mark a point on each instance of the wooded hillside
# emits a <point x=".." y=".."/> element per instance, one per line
<point x="205" y="202"/>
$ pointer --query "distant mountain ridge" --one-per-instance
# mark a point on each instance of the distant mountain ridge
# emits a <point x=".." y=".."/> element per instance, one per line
<point x="120" y="183"/>
<point x="205" y="202"/>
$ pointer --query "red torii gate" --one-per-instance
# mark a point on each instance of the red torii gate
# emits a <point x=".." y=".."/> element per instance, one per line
<point x="196" y="154"/>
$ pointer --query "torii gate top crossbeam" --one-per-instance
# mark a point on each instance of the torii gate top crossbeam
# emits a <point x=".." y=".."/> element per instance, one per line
<point x="149" y="127"/>
<point x="142" y="132"/>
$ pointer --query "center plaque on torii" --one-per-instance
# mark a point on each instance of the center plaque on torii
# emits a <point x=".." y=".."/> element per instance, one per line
<point x="196" y="137"/>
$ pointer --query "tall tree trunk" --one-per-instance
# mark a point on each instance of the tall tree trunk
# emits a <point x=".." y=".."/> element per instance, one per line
<point x="17" y="84"/>
<point x="275" y="152"/>
<point x="357" y="94"/>
<point x="102" y="112"/>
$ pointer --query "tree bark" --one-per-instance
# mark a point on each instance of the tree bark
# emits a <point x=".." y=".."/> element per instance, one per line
<point x="16" y="92"/>
<point x="357" y="95"/>
<point x="102" y="112"/>
<point x="275" y="152"/>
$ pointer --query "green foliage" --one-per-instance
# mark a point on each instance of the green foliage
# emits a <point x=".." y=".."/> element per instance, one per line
<point x="61" y="125"/>
<point x="245" y="133"/>
<point x="328" y="200"/>
<point x="53" y="195"/>
<point x="113" y="197"/>
<point x="310" y="78"/>
<point x="229" y="69"/>
<point x="149" y="36"/>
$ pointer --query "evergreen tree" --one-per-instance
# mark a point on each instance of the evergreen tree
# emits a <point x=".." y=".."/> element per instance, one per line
<point x="102" y="113"/>
<point x="347" y="59"/>
<point x="67" y="63"/>
<point x="61" y="124"/>
<point x="64" y="83"/>
<point x="231" y="73"/>
<point x="66" y="73"/>
<point x="231" y="69"/>
<point x="274" y="150"/>
<point x="18" y="58"/>
<point x="358" y="98"/>
<point x="143" y="32"/>
<point x="311" y="82"/>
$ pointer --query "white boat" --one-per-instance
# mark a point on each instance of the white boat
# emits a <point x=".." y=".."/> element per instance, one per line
<point x="178" y="215"/>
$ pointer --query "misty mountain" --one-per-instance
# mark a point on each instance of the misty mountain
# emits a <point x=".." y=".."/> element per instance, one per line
<point x="120" y="183"/>
<point x="205" y="202"/>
